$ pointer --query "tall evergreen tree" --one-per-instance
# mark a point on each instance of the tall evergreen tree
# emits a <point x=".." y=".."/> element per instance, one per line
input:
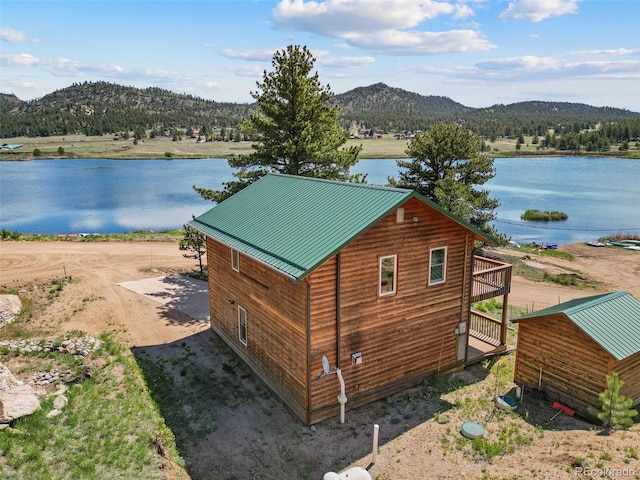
<point x="295" y="129"/>
<point x="446" y="167"/>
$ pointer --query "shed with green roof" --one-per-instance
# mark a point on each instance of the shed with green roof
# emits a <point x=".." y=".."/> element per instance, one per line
<point x="568" y="350"/>
<point x="377" y="280"/>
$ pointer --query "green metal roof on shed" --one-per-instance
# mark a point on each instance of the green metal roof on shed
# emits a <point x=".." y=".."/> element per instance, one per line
<point x="612" y="320"/>
<point x="294" y="224"/>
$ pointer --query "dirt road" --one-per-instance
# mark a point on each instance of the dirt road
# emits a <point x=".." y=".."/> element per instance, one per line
<point x="94" y="302"/>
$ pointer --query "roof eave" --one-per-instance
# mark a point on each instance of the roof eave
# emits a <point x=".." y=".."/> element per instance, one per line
<point x="194" y="224"/>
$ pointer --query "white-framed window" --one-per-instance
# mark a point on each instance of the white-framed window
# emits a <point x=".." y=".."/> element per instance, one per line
<point x="437" y="265"/>
<point x="242" y="325"/>
<point x="388" y="275"/>
<point x="235" y="260"/>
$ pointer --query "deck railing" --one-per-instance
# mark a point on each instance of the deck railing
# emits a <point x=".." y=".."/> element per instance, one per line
<point x="485" y="328"/>
<point x="490" y="279"/>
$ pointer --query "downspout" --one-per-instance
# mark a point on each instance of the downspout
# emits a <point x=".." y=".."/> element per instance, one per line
<point x="338" y="309"/>
<point x="342" y="398"/>
<point x="469" y="294"/>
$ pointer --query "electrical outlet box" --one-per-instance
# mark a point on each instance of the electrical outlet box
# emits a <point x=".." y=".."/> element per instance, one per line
<point x="356" y="358"/>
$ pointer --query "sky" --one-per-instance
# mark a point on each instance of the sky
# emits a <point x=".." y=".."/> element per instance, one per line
<point x="476" y="52"/>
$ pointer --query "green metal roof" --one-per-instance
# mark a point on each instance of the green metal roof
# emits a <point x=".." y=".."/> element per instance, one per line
<point x="294" y="224"/>
<point x="612" y="320"/>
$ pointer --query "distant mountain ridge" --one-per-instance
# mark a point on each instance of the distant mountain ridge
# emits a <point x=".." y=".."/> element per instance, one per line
<point x="102" y="107"/>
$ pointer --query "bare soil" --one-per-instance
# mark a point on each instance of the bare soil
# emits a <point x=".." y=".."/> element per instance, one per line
<point x="228" y="425"/>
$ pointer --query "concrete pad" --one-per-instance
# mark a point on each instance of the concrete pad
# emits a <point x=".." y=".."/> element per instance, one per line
<point x="185" y="294"/>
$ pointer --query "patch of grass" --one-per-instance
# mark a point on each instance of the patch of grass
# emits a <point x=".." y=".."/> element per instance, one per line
<point x="489" y="306"/>
<point x="546" y="252"/>
<point x="566" y="280"/>
<point x="535" y="215"/>
<point x="110" y="424"/>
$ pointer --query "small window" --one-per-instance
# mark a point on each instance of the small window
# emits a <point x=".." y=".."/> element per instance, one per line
<point x="438" y="265"/>
<point x="235" y="260"/>
<point x="388" y="271"/>
<point x="242" y="325"/>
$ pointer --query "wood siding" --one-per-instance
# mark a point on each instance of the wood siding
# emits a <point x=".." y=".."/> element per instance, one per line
<point x="629" y="371"/>
<point x="402" y="337"/>
<point x="276" y="322"/>
<point x="574" y="367"/>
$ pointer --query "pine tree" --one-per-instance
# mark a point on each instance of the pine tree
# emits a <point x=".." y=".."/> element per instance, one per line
<point x="616" y="411"/>
<point x="194" y="242"/>
<point x="295" y="129"/>
<point x="446" y="167"/>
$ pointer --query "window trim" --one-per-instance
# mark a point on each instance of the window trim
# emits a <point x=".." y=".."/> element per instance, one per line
<point x="394" y="287"/>
<point x="444" y="266"/>
<point x="242" y="322"/>
<point x="235" y="260"/>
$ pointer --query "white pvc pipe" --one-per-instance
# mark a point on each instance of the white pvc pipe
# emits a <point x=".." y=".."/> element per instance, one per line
<point x="376" y="427"/>
<point x="342" y="398"/>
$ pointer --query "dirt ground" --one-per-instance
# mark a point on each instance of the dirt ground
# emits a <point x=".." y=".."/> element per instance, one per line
<point x="229" y="426"/>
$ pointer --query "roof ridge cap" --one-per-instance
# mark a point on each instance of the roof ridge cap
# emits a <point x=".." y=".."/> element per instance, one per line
<point x="341" y="182"/>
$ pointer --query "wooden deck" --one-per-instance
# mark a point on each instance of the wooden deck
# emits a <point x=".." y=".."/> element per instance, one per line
<point x="490" y="279"/>
<point x="478" y="350"/>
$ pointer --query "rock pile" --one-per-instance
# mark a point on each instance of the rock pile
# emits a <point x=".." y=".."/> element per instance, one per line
<point x="79" y="346"/>
<point x="18" y="398"/>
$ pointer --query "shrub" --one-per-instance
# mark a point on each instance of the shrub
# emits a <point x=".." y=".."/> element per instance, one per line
<point x="538" y="216"/>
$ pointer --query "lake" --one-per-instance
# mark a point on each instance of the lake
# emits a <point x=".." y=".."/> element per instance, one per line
<point x="600" y="195"/>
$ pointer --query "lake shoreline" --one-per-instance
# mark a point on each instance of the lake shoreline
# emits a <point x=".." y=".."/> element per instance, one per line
<point x="107" y="147"/>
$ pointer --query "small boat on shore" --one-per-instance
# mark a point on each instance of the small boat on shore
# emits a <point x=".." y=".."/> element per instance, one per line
<point x="596" y="244"/>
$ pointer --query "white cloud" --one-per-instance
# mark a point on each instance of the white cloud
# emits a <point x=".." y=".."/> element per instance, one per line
<point x="420" y="43"/>
<point x="10" y="35"/>
<point x="342" y="62"/>
<point x="381" y="25"/>
<point x="247" y="70"/>
<point x="531" y="68"/>
<point x="338" y="17"/>
<point x="19" y="59"/>
<point x="538" y="10"/>
<point x="249" y="55"/>
<point x="609" y="52"/>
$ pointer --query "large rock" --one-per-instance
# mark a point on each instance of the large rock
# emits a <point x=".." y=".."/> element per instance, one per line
<point x="16" y="399"/>
<point x="18" y="402"/>
<point x="10" y="306"/>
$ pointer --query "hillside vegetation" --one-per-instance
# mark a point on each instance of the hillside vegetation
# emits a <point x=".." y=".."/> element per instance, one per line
<point x="98" y="108"/>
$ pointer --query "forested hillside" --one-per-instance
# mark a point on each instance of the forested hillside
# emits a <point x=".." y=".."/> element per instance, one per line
<point x="101" y="107"/>
<point x="98" y="108"/>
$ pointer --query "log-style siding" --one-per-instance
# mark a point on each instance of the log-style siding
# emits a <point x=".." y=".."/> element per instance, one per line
<point x="574" y="367"/>
<point x="276" y="321"/>
<point x="629" y="371"/>
<point x="402" y="337"/>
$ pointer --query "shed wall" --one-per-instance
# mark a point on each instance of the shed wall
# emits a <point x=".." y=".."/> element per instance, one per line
<point x="629" y="372"/>
<point x="574" y="367"/>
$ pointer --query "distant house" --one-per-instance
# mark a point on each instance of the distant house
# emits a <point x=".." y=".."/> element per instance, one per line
<point x="568" y="350"/>
<point x="377" y="280"/>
